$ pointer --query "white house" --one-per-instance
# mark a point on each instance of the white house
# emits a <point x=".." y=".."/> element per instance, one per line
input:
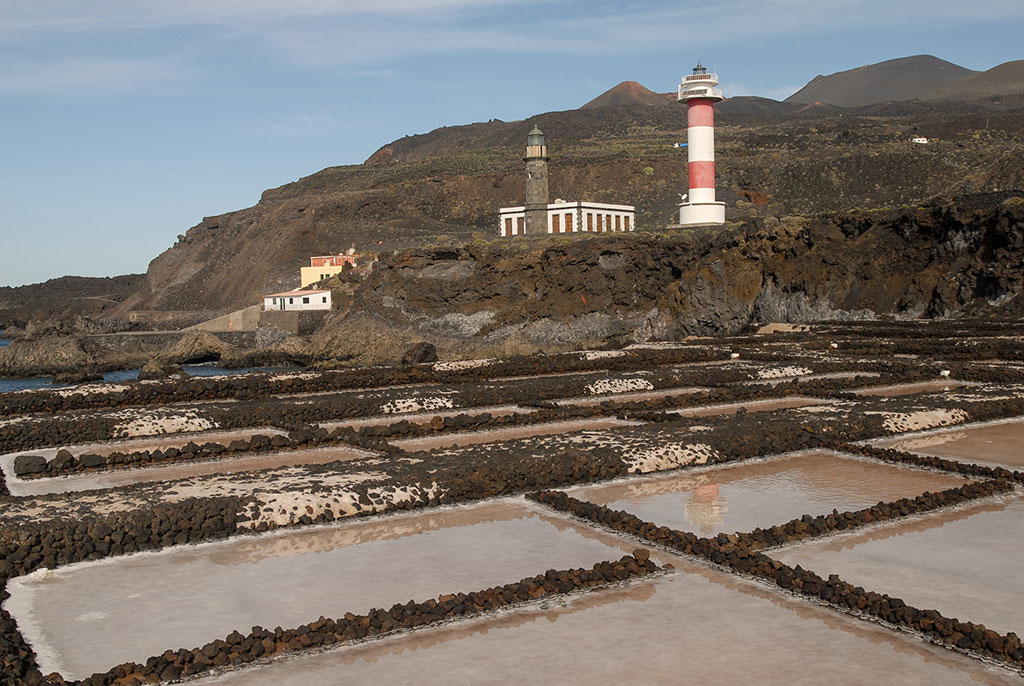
<point x="298" y="300"/>
<point x="572" y="217"/>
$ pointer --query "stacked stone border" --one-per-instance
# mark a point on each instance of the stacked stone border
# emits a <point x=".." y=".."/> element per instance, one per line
<point x="250" y="386"/>
<point x="30" y="435"/>
<point x="64" y="541"/>
<point x="739" y="554"/>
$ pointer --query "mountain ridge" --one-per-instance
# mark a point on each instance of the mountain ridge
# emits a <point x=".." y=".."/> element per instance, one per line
<point x="903" y="78"/>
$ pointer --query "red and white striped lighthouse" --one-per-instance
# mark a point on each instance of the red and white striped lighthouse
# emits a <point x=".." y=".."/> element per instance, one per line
<point x="700" y="95"/>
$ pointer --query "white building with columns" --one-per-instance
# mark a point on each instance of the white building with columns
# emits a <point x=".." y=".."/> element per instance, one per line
<point x="572" y="217"/>
<point x="539" y="216"/>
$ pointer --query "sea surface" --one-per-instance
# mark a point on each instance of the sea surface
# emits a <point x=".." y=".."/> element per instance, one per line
<point x="8" y="385"/>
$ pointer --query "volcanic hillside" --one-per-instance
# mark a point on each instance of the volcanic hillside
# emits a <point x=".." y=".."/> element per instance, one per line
<point x="1002" y="80"/>
<point x="630" y="93"/>
<point x="905" y="78"/>
<point x="775" y="160"/>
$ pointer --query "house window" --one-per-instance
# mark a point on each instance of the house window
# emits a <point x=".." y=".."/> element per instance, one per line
<point x="305" y="301"/>
<point x="291" y="301"/>
<point x="274" y="300"/>
<point x="324" y="299"/>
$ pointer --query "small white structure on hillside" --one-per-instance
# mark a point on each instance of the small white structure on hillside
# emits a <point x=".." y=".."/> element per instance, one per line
<point x="572" y="217"/>
<point x="298" y="300"/>
<point x="919" y="139"/>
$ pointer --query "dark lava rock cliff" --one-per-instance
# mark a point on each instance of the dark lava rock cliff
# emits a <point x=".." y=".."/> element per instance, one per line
<point x="445" y="187"/>
<point x="964" y="257"/>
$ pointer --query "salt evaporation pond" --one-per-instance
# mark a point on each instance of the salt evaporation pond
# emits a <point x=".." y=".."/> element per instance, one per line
<point x="175" y="440"/>
<point x="88" y="617"/>
<point x="425" y="417"/>
<point x="965" y="562"/>
<point x="629" y="397"/>
<point x="998" y="443"/>
<point x="181" y="470"/>
<point x="46" y="382"/>
<point x="453" y="440"/>
<point x="695" y="626"/>
<point x="742" y="497"/>
<point x="909" y="388"/>
<point x="750" y="406"/>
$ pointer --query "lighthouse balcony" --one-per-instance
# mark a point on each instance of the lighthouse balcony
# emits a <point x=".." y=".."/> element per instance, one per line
<point x="689" y="92"/>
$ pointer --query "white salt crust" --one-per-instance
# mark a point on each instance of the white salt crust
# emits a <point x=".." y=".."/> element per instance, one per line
<point x="606" y="386"/>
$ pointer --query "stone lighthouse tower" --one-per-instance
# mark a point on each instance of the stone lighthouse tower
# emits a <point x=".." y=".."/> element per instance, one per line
<point x="700" y="95"/>
<point x="536" y="183"/>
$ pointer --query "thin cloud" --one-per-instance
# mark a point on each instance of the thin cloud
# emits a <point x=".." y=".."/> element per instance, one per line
<point x="87" y="75"/>
<point x="302" y="125"/>
<point x="366" y="34"/>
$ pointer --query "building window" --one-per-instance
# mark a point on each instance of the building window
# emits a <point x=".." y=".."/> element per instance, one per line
<point x="325" y="298"/>
<point x="508" y="226"/>
<point x="555" y="226"/>
<point x="305" y="301"/>
<point x="618" y="223"/>
<point x="519" y="222"/>
<point x="625" y="223"/>
<point x="568" y="222"/>
<point x="590" y="221"/>
<point x="291" y="301"/>
<point x="274" y="300"/>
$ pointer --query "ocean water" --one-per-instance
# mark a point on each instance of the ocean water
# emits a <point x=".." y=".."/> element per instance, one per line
<point x="21" y="384"/>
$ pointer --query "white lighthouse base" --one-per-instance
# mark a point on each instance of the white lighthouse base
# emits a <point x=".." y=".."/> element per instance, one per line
<point x="700" y="213"/>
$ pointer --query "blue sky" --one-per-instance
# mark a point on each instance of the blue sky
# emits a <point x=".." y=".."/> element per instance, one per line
<point x="124" y="122"/>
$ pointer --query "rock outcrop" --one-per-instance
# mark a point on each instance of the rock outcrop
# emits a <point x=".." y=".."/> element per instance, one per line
<point x="944" y="260"/>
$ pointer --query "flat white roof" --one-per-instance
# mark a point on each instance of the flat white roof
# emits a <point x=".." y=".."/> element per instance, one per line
<point x="573" y="205"/>
<point x="295" y="293"/>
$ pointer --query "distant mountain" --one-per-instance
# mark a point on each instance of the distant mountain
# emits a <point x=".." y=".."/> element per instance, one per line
<point x="754" y="105"/>
<point x="1005" y="79"/>
<point x="906" y="78"/>
<point x="630" y="93"/>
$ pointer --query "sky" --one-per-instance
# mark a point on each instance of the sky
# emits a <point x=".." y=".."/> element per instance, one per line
<point x="125" y="122"/>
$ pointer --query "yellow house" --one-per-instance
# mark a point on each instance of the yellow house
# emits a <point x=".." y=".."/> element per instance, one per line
<point x="324" y="266"/>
